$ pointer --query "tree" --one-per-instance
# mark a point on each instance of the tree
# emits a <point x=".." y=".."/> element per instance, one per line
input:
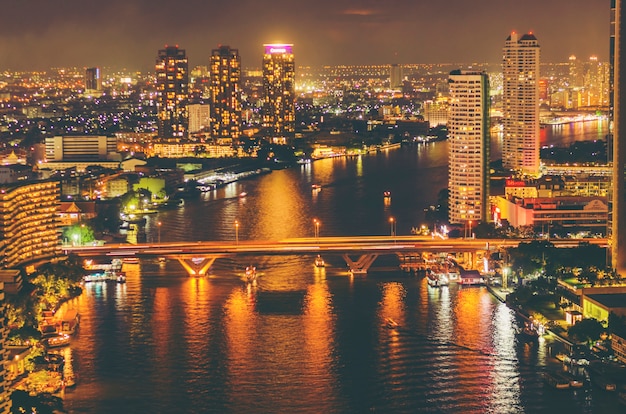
<point x="586" y="330"/>
<point x="78" y="234"/>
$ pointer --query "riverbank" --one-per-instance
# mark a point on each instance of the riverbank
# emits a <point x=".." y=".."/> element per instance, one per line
<point x="554" y="326"/>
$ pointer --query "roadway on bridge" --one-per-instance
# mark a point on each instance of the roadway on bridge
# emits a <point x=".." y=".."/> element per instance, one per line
<point x="338" y="245"/>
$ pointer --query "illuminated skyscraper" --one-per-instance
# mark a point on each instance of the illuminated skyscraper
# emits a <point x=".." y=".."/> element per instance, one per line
<point x="279" y="76"/>
<point x="93" y="82"/>
<point x="618" y="211"/>
<point x="520" y="104"/>
<point x="172" y="83"/>
<point x="469" y="144"/>
<point x="226" y="92"/>
<point x="395" y="76"/>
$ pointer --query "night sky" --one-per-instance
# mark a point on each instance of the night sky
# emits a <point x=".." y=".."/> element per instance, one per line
<point x="39" y="34"/>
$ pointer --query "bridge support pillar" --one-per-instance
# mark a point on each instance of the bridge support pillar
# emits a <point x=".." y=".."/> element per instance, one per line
<point x="360" y="266"/>
<point x="196" y="266"/>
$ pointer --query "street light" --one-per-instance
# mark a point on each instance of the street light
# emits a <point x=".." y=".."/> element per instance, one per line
<point x="392" y="225"/>
<point x="159" y="230"/>
<point x="236" y="231"/>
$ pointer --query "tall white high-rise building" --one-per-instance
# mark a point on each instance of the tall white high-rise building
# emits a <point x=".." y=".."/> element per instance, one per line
<point x="469" y="144"/>
<point x="520" y="104"/>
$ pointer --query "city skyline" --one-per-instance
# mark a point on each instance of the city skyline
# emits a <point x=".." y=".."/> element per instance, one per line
<point x="125" y="34"/>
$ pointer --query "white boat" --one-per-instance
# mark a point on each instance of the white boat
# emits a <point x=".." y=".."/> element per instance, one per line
<point x="106" y="276"/>
<point x="319" y="262"/>
<point x="250" y="274"/>
<point x="56" y="340"/>
<point x="438" y="279"/>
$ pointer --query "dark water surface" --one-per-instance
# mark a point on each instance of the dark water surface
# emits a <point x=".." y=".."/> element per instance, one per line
<point x="307" y="339"/>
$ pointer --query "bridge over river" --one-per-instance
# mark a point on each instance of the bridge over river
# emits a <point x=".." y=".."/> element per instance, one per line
<point x="358" y="252"/>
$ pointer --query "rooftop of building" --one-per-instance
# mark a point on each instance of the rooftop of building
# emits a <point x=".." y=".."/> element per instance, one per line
<point x="610" y="300"/>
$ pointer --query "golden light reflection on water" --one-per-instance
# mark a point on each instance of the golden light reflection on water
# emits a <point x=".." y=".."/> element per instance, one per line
<point x="318" y="326"/>
<point x="239" y="325"/>
<point x="392" y="303"/>
<point x="471" y="310"/>
<point x="392" y="310"/>
<point x="197" y="333"/>
<point x="278" y="203"/>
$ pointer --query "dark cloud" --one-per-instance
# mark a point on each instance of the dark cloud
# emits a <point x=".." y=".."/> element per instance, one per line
<point x="37" y="34"/>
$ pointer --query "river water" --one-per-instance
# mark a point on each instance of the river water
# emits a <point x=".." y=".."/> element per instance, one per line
<point x="307" y="339"/>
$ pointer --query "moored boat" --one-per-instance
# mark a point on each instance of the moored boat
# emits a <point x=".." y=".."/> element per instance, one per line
<point x="556" y="380"/>
<point x="438" y="279"/>
<point x="106" y="276"/>
<point x="56" y="340"/>
<point x="319" y="261"/>
<point x="69" y="322"/>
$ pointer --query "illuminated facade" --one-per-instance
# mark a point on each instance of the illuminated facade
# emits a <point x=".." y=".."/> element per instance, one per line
<point x="279" y="73"/>
<point x="172" y="73"/>
<point x="520" y="104"/>
<point x="5" y="390"/>
<point x="28" y="221"/>
<point x="199" y="118"/>
<point x="618" y="196"/>
<point x="468" y="138"/>
<point x="93" y="82"/>
<point x="226" y="92"/>
<point x="80" y="147"/>
<point x="191" y="149"/>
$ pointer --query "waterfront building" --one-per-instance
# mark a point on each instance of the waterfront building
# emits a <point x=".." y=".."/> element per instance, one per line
<point x="225" y="92"/>
<point x="28" y="221"/>
<point x="435" y="112"/>
<point x="5" y="391"/>
<point x="582" y="185"/>
<point x="172" y="83"/>
<point x="72" y="212"/>
<point x="520" y="104"/>
<point x="469" y="143"/>
<point x="191" y="149"/>
<point x="199" y="118"/>
<point x="279" y="76"/>
<point x="618" y="194"/>
<point x="117" y="187"/>
<point x="81" y="148"/>
<point x="576" y="213"/>
<point x="93" y="82"/>
<point x="12" y="279"/>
